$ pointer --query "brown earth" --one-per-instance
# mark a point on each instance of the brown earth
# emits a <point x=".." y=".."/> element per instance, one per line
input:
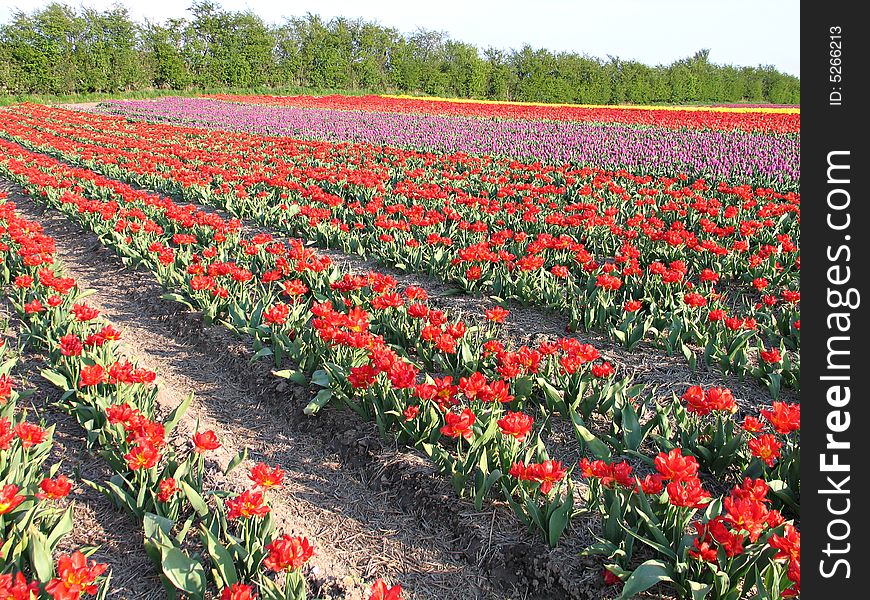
<point x="96" y="522"/>
<point x="482" y="552"/>
<point x="372" y="510"/>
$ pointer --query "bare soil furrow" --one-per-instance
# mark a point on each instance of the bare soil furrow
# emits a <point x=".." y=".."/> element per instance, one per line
<point x="96" y="522"/>
<point x="648" y="363"/>
<point x="372" y="510"/>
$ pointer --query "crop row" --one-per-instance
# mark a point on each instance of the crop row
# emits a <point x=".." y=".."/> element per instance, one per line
<point x="666" y="250"/>
<point x="351" y="335"/>
<point x="479" y="429"/>
<point x="160" y="484"/>
<point x="33" y="519"/>
<point x="780" y="120"/>
<point x="768" y="160"/>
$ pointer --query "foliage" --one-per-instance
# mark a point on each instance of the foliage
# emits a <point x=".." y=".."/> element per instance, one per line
<point x="61" y="50"/>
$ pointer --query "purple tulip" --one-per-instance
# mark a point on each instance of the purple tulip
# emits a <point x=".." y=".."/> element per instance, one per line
<point x="738" y="157"/>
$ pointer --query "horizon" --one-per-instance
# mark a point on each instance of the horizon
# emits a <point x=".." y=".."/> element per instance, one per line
<point x="676" y="35"/>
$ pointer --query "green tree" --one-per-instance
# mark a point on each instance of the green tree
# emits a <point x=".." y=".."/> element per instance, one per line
<point x="42" y="46"/>
<point x="107" y="51"/>
<point x="405" y="68"/>
<point x="371" y="47"/>
<point x="536" y="75"/>
<point x="428" y="52"/>
<point x="500" y="79"/>
<point x="466" y="71"/>
<point x="164" y="45"/>
<point x="61" y="50"/>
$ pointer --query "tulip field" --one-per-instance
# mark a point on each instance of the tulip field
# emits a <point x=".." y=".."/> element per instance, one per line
<point x="582" y="323"/>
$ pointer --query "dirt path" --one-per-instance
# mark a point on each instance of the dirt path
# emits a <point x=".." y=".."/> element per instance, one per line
<point x="647" y="364"/>
<point x="85" y="106"/>
<point x="96" y="522"/>
<point x="360" y="532"/>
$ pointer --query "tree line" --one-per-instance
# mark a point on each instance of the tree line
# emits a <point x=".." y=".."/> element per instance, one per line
<point x="61" y="50"/>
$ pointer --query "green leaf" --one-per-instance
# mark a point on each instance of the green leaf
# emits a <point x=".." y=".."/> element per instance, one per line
<point x="552" y="394"/>
<point x="6" y="367"/>
<point x="56" y="378"/>
<point x="63" y="527"/>
<point x="261" y="353"/>
<point x="722" y="580"/>
<point x="645" y="576"/>
<point x="660" y="545"/>
<point x="613" y="519"/>
<point x="782" y="491"/>
<point x="320" y="378"/>
<point x="270" y="590"/>
<point x="177" y="413"/>
<point x="602" y="547"/>
<point x="774" y="385"/>
<point x="181" y="469"/>
<point x="40" y="555"/>
<point x="484" y="436"/>
<point x="687" y="352"/>
<point x="105" y="586"/>
<point x="291" y="374"/>
<point x="699" y="590"/>
<point x="182" y="531"/>
<point x="631" y="430"/>
<point x="713" y="510"/>
<point x="560" y="517"/>
<point x="468" y="357"/>
<point x="598" y="448"/>
<point x="177" y="298"/>
<point x="154" y="525"/>
<point x="221" y="557"/>
<point x="121" y="497"/>
<point x="184" y="573"/>
<point x="196" y="500"/>
<point x="523" y="387"/>
<point x="320" y="400"/>
<point x="236" y="461"/>
<point x="294" y="375"/>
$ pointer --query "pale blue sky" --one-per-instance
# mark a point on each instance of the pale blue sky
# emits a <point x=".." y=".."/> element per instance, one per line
<point x="739" y="32"/>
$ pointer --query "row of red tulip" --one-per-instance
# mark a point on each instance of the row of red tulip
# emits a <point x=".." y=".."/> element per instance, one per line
<point x="160" y="484"/>
<point x="33" y="520"/>
<point x="184" y="246"/>
<point x="632" y="302"/>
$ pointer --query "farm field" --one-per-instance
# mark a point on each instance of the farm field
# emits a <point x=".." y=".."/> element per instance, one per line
<point x="387" y="347"/>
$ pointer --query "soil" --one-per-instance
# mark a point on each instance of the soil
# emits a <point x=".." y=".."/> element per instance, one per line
<point x="96" y="522"/>
<point x="372" y="510"/>
<point x="647" y="364"/>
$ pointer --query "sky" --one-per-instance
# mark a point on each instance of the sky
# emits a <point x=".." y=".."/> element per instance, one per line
<point x="738" y="32"/>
